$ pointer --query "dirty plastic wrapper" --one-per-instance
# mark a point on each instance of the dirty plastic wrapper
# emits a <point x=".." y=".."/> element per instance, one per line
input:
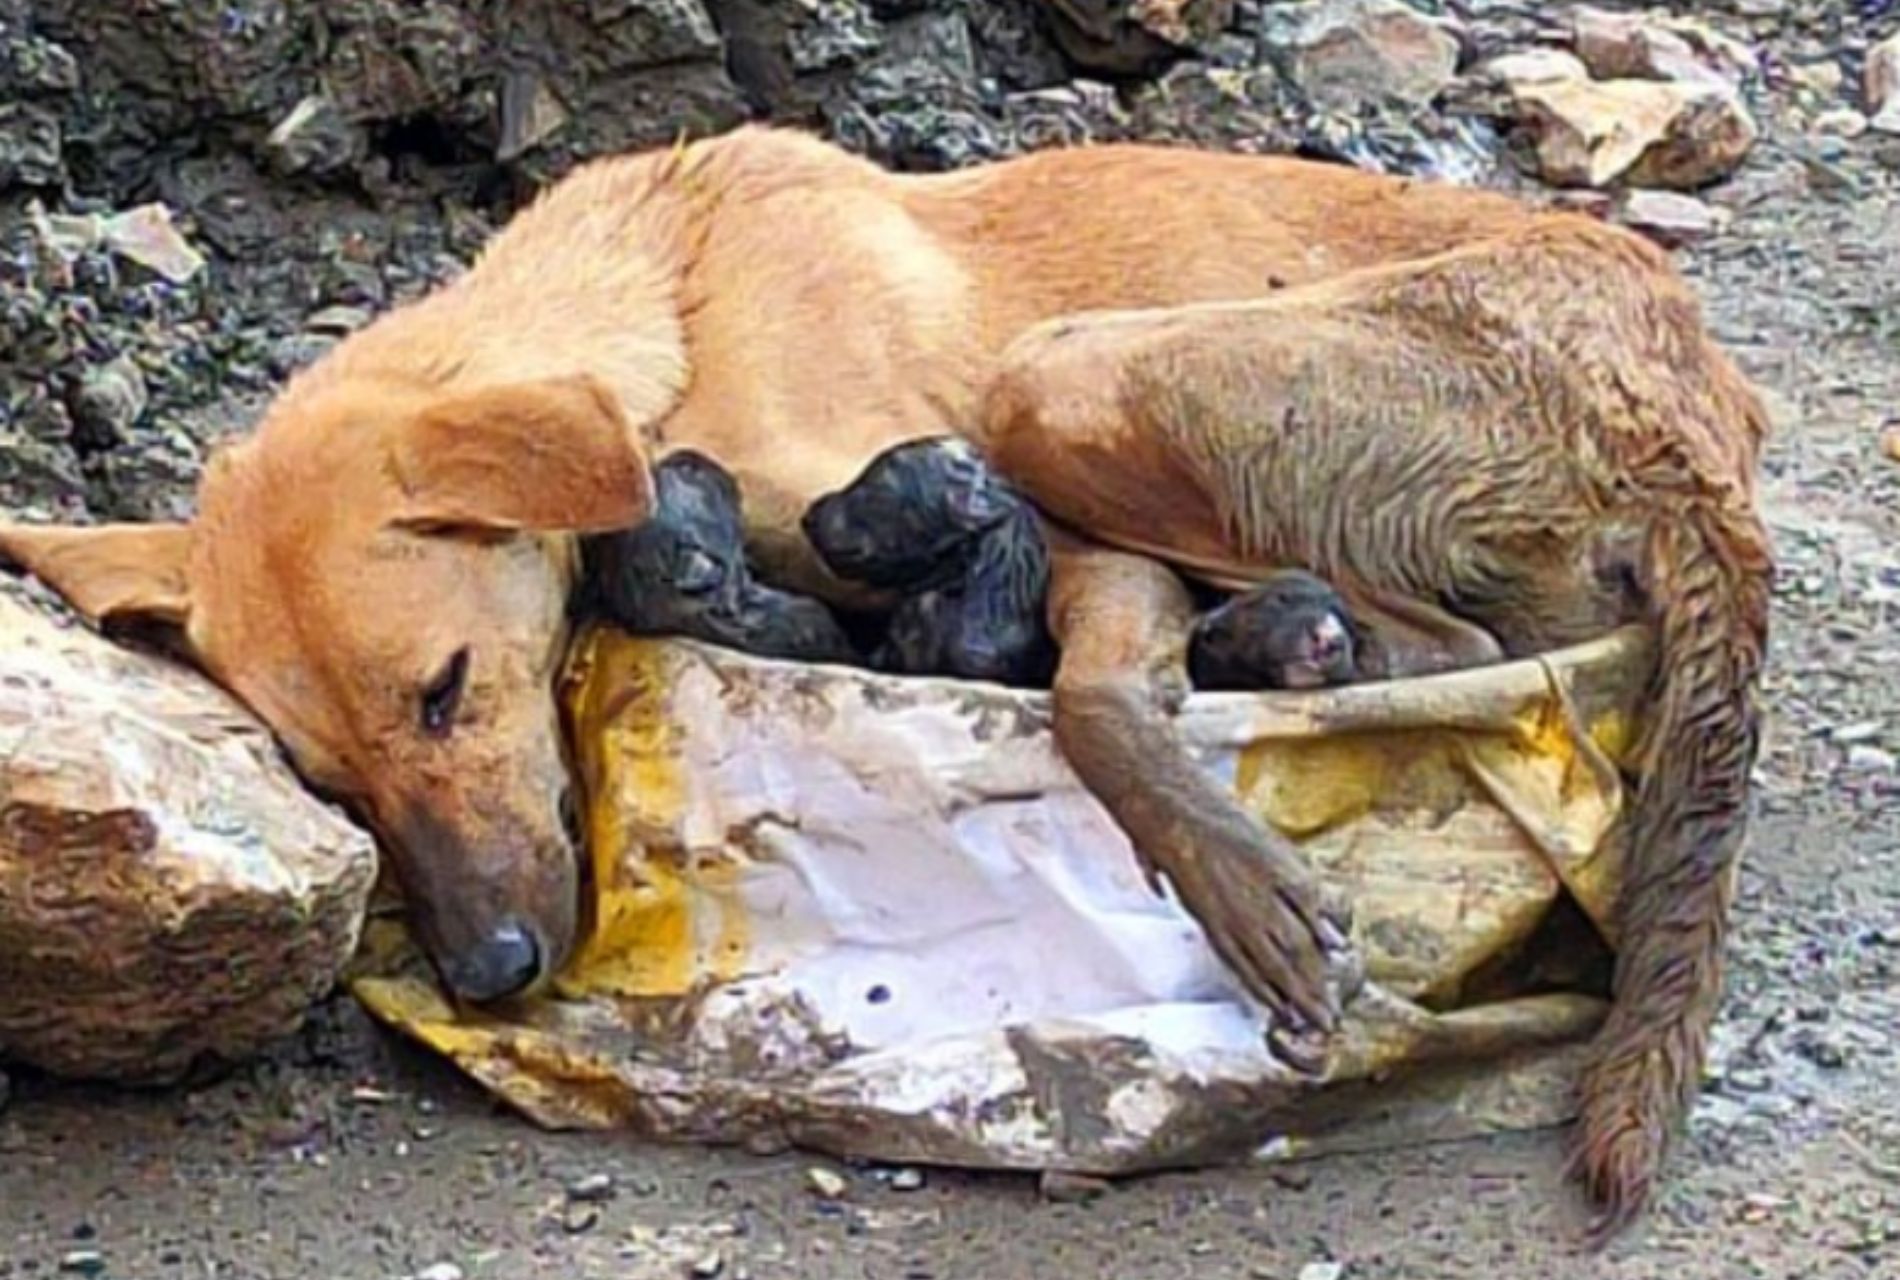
<point x="881" y="918"/>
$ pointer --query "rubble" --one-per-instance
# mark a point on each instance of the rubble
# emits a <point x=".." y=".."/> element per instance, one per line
<point x="169" y="892"/>
<point x="1881" y="85"/>
<point x="1670" y="218"/>
<point x="1353" y="52"/>
<point x="1645" y="133"/>
<point x="1655" y="46"/>
<point x="1133" y="37"/>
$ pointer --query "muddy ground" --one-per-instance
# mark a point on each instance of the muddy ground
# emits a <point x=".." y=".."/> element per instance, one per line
<point x="349" y="1154"/>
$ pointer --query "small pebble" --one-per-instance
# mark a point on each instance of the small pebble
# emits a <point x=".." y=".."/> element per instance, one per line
<point x="440" y="1271"/>
<point x="1070" y="1188"/>
<point x="826" y="1184"/>
<point x="1841" y="122"/>
<point x="83" y="1262"/>
<point x="1859" y="731"/>
<point x="907" y="1180"/>
<point x="337" y="320"/>
<point x="595" y="1188"/>
<point x="1322" y="1271"/>
<point x="1865" y="759"/>
<point x="709" y="1266"/>
<point x="1749" y="1080"/>
<point x="1826" y="1053"/>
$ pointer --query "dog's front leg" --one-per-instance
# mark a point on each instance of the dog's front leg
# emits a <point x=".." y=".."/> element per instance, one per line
<point x="1122" y="623"/>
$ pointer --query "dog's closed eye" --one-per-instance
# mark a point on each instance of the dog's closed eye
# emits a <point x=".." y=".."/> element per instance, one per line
<point x="443" y="695"/>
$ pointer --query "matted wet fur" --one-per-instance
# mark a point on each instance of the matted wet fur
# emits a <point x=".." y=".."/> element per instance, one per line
<point x="929" y="520"/>
<point x="382" y="570"/>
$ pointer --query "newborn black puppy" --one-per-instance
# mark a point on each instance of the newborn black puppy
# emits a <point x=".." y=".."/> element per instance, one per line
<point x="929" y="520"/>
<point x="1293" y="631"/>
<point x="907" y="522"/>
<point x="684" y="573"/>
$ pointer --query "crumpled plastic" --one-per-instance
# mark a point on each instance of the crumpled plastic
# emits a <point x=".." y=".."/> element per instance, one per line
<point x="880" y="918"/>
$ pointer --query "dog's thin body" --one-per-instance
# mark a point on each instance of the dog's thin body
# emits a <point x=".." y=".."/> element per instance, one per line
<point x="791" y="311"/>
<point x="1535" y="431"/>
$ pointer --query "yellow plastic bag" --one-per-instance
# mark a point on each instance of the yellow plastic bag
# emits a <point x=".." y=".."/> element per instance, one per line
<point x="881" y="918"/>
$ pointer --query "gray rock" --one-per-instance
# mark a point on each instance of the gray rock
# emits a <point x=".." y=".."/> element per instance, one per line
<point x="107" y="403"/>
<point x="30" y="147"/>
<point x="1351" y="52"/>
<point x="317" y="138"/>
<point x="30" y="64"/>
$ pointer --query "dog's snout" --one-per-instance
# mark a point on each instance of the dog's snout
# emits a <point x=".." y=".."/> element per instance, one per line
<point x="505" y="963"/>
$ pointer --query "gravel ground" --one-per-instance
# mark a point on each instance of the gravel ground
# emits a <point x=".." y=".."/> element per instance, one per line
<point x="348" y="1154"/>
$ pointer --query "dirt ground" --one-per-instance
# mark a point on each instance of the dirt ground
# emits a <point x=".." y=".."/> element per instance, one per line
<point x="349" y="1154"/>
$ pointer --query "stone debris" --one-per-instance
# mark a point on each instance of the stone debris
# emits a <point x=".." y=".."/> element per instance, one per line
<point x="1349" y="53"/>
<point x="317" y="137"/>
<point x="169" y="892"/>
<point x="825" y="1184"/>
<point x="145" y="235"/>
<point x="1670" y="218"/>
<point x="1650" y="46"/>
<point x="1646" y="133"/>
<point x="1881" y="85"/>
<point x="1132" y="37"/>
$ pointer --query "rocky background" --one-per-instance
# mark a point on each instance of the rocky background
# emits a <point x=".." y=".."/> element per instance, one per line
<point x="197" y="198"/>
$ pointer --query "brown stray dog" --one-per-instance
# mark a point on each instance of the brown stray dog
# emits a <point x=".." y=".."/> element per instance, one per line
<point x="1454" y="403"/>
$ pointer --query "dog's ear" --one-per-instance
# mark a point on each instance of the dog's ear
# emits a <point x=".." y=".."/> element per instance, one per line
<point x="109" y="573"/>
<point x="552" y="455"/>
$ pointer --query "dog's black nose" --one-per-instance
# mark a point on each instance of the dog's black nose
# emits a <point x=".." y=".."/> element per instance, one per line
<point x="505" y="963"/>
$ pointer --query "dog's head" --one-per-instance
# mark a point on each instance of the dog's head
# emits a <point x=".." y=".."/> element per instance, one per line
<point x="381" y="574"/>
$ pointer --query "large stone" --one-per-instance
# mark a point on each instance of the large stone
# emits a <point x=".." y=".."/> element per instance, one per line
<point x="1646" y="133"/>
<point x="1345" y="53"/>
<point x="881" y="917"/>
<point x="169" y="893"/>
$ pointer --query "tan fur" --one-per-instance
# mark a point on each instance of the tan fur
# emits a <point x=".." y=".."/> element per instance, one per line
<point x="1533" y="429"/>
<point x="792" y="310"/>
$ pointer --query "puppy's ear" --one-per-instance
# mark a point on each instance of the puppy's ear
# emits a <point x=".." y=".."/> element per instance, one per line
<point x="109" y="573"/>
<point x="552" y="455"/>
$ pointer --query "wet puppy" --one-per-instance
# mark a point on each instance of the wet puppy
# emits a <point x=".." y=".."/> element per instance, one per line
<point x="929" y="520"/>
<point x="684" y="573"/>
<point x="1293" y="631"/>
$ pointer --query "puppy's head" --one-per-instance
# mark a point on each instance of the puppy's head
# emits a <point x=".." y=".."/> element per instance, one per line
<point x="909" y="514"/>
<point x="1291" y="632"/>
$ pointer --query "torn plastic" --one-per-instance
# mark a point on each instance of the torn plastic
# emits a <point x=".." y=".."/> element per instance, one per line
<point x="881" y="918"/>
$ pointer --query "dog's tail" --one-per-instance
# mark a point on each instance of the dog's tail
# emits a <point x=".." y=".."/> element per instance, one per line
<point x="1709" y="574"/>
